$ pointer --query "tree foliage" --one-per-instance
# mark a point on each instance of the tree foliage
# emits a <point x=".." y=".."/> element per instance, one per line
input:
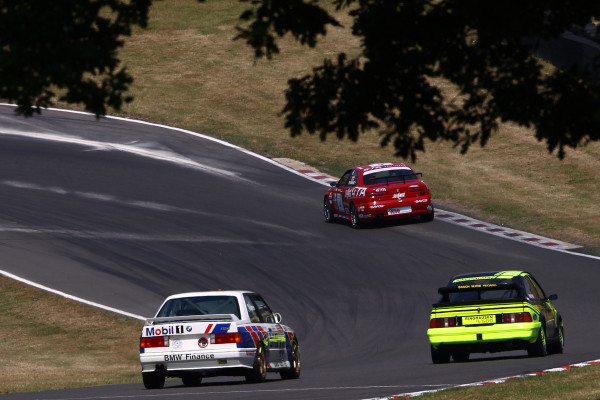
<point x="66" y="48"/>
<point x="484" y="48"/>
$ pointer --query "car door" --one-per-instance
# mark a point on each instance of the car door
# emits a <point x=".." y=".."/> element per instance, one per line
<point x="342" y="193"/>
<point x="263" y="321"/>
<point x="548" y="310"/>
<point x="348" y="192"/>
<point x="541" y="301"/>
<point x="339" y="192"/>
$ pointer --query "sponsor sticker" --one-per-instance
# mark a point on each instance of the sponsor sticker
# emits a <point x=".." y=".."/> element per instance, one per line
<point x="356" y="192"/>
<point x="188" y="357"/>
<point x="199" y="357"/>
<point x="165" y="330"/>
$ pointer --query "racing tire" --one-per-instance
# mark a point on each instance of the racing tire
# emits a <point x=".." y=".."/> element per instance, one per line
<point x="294" y="371"/>
<point x="327" y="211"/>
<point x="259" y="368"/>
<point x="191" y="379"/>
<point x="354" y="220"/>
<point x="428" y="217"/>
<point x="153" y="380"/>
<point x="439" y="356"/>
<point x="539" y="348"/>
<point x="461" y="356"/>
<point x="557" y="345"/>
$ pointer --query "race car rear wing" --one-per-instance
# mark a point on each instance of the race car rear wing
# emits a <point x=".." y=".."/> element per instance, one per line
<point x="480" y="293"/>
<point x="207" y="317"/>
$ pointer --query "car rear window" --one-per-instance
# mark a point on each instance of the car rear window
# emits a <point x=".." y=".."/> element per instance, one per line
<point x="201" y="305"/>
<point x="476" y="295"/>
<point x="481" y="290"/>
<point x="388" y="176"/>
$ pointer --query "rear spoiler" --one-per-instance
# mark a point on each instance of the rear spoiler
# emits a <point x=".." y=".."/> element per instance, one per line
<point x="477" y="302"/>
<point x="207" y="317"/>
<point x="485" y="286"/>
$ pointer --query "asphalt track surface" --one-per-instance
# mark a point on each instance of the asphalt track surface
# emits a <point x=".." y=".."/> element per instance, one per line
<point x="124" y="214"/>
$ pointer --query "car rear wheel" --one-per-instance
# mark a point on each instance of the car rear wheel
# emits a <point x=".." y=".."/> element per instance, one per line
<point x="327" y="210"/>
<point x="191" y="379"/>
<point x="461" y="356"/>
<point x="354" y="220"/>
<point x="259" y="368"/>
<point x="294" y="371"/>
<point x="557" y="346"/>
<point x="428" y="217"/>
<point x="153" y="380"/>
<point x="439" y="356"/>
<point x="539" y="349"/>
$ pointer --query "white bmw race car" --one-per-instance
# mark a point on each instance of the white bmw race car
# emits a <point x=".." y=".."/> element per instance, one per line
<point x="222" y="333"/>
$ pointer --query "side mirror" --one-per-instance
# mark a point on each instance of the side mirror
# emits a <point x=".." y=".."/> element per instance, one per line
<point x="553" y="297"/>
<point x="277" y="317"/>
<point x="333" y="184"/>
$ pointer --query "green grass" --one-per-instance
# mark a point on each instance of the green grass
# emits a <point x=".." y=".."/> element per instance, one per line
<point x="190" y="73"/>
<point x="572" y="384"/>
<point x="62" y="343"/>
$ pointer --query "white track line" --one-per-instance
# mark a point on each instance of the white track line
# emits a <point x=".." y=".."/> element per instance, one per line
<point x="70" y="297"/>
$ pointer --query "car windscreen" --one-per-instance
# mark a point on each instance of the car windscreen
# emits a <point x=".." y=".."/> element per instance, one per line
<point x="200" y="305"/>
<point x="389" y="175"/>
<point x="504" y="289"/>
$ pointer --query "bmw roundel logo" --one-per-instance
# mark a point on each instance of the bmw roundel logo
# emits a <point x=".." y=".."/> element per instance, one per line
<point x="188" y="328"/>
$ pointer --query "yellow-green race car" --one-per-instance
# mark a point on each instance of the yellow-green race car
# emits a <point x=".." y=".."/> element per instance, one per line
<point x="494" y="311"/>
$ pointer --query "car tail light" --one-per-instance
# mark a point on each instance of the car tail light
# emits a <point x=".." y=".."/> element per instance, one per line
<point x="442" y="322"/>
<point x="223" y="338"/>
<point x="155" y="341"/>
<point x="418" y="191"/>
<point x="516" y="317"/>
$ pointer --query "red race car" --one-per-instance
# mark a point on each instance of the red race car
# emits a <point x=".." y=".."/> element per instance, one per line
<point x="378" y="191"/>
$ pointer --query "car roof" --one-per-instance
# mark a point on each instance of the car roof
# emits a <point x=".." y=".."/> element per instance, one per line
<point x="210" y="293"/>
<point x="381" y="166"/>
<point x="487" y="275"/>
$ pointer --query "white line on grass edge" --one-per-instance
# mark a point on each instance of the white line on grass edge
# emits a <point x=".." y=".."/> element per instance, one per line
<point x="70" y="297"/>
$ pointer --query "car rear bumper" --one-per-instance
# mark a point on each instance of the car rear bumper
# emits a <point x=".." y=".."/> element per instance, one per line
<point x="481" y="335"/>
<point x="197" y="361"/>
<point x="393" y="209"/>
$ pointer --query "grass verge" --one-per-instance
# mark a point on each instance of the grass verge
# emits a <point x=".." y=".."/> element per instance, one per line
<point x="572" y="384"/>
<point x="49" y="342"/>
